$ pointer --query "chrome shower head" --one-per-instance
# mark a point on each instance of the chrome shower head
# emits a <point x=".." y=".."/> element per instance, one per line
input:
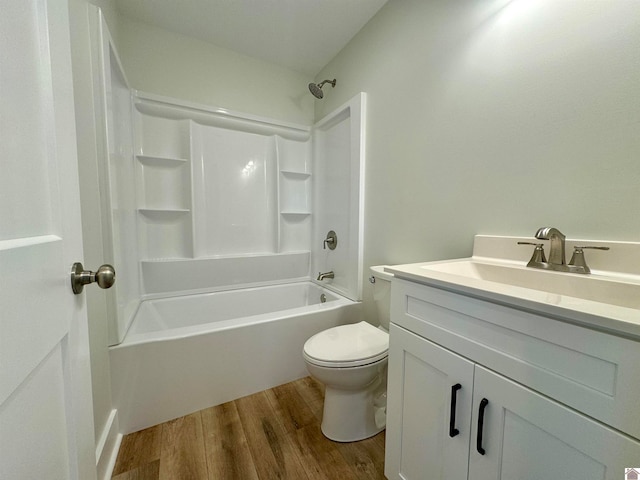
<point x="316" y="89"/>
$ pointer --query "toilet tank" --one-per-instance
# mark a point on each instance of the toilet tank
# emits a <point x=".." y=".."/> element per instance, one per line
<point x="381" y="282"/>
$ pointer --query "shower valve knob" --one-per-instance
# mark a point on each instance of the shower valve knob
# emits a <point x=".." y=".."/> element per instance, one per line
<point x="105" y="277"/>
<point x="331" y="241"/>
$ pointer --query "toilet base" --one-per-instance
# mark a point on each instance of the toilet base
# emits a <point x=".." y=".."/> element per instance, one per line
<point x="350" y="415"/>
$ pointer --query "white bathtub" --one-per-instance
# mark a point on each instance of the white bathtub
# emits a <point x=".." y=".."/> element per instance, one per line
<point x="187" y="353"/>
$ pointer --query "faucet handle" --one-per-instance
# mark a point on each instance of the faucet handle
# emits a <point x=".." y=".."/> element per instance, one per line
<point x="578" y="259"/>
<point x="331" y="241"/>
<point x="538" y="253"/>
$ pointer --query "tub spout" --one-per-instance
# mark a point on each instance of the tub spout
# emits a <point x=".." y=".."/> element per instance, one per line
<point x="322" y="276"/>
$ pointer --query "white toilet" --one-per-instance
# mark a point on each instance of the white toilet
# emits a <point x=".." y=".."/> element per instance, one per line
<point x="351" y="361"/>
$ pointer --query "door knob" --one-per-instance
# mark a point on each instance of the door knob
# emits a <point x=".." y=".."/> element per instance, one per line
<point x="105" y="277"/>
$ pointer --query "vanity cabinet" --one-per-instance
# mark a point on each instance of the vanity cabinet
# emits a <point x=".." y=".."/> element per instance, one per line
<point x="467" y="376"/>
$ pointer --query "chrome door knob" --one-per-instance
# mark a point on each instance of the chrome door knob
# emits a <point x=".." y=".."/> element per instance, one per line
<point x="105" y="277"/>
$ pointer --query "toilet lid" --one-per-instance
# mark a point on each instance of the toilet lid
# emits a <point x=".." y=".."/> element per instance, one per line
<point x="347" y="346"/>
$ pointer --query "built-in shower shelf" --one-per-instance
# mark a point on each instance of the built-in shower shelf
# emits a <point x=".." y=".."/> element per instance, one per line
<point x="295" y="214"/>
<point x="166" y="259"/>
<point x="157" y="161"/>
<point x="295" y="174"/>
<point x="163" y="213"/>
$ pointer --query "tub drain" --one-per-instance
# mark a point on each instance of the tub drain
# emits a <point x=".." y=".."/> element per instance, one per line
<point x="323" y="298"/>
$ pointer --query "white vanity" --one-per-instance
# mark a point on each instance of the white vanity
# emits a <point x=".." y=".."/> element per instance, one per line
<point x="499" y="371"/>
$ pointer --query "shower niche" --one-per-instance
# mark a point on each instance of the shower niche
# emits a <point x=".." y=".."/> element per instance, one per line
<point x="294" y="201"/>
<point x="163" y="186"/>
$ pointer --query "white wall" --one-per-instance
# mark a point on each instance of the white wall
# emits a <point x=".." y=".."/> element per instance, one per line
<point x="165" y="63"/>
<point x="495" y="117"/>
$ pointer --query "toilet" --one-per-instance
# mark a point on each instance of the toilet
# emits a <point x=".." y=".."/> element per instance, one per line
<point x="351" y="361"/>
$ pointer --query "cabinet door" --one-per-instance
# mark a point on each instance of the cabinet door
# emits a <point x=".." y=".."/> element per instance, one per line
<point x="422" y="377"/>
<point x="529" y="437"/>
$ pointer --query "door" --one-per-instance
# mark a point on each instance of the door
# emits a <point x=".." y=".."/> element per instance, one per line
<point x="531" y="437"/>
<point x="428" y="410"/>
<point x="46" y="426"/>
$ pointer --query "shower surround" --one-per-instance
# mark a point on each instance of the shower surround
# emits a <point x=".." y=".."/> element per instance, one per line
<point x="216" y="192"/>
<point x="226" y="199"/>
<point x="226" y="204"/>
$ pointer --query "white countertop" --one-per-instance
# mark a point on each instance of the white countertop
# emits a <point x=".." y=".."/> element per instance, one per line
<point x="617" y="309"/>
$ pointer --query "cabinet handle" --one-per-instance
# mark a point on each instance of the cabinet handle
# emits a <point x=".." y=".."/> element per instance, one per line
<point x="453" y="431"/>
<point x="483" y="404"/>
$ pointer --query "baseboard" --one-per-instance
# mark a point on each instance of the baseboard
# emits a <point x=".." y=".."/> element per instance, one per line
<point x="108" y="446"/>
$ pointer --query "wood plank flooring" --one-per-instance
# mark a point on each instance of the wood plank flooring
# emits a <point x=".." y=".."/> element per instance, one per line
<point x="273" y="434"/>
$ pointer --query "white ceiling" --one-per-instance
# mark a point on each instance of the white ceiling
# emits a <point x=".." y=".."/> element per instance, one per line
<point x="303" y="35"/>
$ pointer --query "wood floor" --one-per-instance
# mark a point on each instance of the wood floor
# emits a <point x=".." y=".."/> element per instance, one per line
<point x="273" y="434"/>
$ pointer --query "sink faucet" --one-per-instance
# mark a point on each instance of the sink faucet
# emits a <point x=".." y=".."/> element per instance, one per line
<point x="556" y="253"/>
<point x="322" y="276"/>
<point x="557" y="261"/>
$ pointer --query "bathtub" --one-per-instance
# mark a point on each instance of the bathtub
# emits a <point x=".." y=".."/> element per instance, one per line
<point x="186" y="353"/>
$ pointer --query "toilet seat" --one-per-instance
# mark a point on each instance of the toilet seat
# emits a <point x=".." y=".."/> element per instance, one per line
<point x="347" y="346"/>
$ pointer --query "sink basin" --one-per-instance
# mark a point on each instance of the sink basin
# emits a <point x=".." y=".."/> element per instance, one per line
<point x="596" y="288"/>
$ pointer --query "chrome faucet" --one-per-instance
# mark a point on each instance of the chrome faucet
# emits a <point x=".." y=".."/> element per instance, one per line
<point x="322" y="276"/>
<point x="556" y="252"/>
<point x="557" y="260"/>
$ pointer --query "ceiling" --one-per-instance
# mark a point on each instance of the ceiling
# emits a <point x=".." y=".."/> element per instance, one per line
<point x="302" y="35"/>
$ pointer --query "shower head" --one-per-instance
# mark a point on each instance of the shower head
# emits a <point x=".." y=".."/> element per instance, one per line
<point x="316" y="89"/>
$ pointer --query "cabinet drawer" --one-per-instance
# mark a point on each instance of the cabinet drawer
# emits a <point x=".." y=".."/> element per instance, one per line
<point x="594" y="372"/>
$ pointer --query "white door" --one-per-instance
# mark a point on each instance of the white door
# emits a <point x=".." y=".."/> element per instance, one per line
<point x="46" y="425"/>
<point x="428" y="410"/>
<point x="527" y="436"/>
